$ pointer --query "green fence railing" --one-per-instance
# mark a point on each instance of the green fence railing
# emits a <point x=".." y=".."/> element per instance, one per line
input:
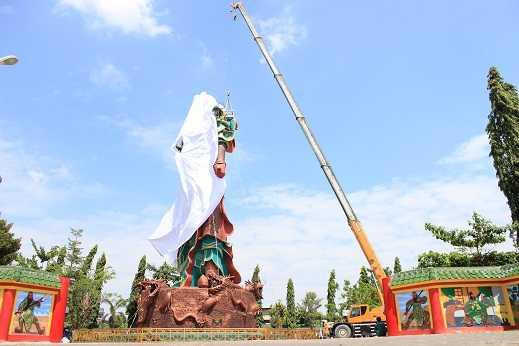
<point x="190" y="334"/>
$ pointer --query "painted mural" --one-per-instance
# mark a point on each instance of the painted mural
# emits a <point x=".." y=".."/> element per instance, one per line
<point x="513" y="297"/>
<point x="32" y="313"/>
<point x="474" y="306"/>
<point x="413" y="310"/>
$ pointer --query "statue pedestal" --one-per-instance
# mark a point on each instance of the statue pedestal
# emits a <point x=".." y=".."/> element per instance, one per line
<point x="225" y="305"/>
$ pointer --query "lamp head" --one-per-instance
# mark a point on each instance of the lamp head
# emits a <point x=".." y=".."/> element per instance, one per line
<point x="8" y="60"/>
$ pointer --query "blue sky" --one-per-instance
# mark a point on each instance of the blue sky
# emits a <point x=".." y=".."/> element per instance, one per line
<point x="395" y="91"/>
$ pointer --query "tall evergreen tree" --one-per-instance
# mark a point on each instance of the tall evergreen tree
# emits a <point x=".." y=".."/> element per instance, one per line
<point x="99" y="281"/>
<point x="364" y="277"/>
<point x="256" y="278"/>
<point x="503" y="133"/>
<point x="331" y="307"/>
<point x="131" y="308"/>
<point x="397" y="267"/>
<point x="9" y="245"/>
<point x="74" y="250"/>
<point x="255" y="275"/>
<point x="87" y="261"/>
<point x="291" y="316"/>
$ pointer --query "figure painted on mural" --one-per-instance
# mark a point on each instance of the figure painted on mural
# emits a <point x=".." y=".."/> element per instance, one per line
<point x="208" y="251"/>
<point x="414" y="311"/>
<point x="475" y="311"/>
<point x="26" y="317"/>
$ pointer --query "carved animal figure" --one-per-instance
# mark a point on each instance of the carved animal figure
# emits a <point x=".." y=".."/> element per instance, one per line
<point x="222" y="304"/>
<point x="147" y="297"/>
<point x="244" y="302"/>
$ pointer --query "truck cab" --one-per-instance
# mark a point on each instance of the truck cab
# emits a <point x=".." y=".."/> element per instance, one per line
<point x="360" y="320"/>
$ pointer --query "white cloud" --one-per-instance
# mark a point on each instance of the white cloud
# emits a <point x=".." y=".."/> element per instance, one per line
<point x="281" y="32"/>
<point x="32" y="195"/>
<point x="109" y="76"/>
<point x="128" y="16"/>
<point x="475" y="149"/>
<point x="293" y="232"/>
<point x="156" y="139"/>
<point x="288" y="230"/>
<point x="31" y="183"/>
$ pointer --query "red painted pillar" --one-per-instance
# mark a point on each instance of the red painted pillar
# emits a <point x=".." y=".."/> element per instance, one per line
<point x="390" y="308"/>
<point x="58" y="314"/>
<point x="438" y="323"/>
<point x="6" y="312"/>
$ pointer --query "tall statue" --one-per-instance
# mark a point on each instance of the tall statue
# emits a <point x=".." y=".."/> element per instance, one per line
<point x="194" y="231"/>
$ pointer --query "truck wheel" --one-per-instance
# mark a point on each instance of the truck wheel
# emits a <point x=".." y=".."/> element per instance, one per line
<point x="342" y="331"/>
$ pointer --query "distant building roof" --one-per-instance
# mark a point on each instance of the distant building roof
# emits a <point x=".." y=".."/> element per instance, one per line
<point x="425" y="275"/>
<point x="29" y="276"/>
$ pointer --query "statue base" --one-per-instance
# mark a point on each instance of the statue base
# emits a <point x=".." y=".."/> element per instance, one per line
<point x="224" y="305"/>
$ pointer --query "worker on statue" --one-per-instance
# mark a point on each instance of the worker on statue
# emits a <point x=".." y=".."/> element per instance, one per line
<point x="194" y="231"/>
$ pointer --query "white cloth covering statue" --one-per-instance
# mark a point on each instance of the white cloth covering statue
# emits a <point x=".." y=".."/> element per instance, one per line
<point x="194" y="231"/>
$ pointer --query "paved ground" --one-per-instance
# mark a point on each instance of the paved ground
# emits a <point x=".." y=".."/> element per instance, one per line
<point x="507" y="338"/>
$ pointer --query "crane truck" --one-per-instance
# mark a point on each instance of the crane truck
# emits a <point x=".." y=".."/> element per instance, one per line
<point x="361" y="319"/>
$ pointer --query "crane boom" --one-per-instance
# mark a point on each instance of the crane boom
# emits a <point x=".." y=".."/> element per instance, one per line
<point x="353" y="221"/>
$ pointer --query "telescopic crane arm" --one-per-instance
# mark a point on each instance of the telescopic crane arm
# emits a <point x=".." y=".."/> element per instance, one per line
<point x="353" y="221"/>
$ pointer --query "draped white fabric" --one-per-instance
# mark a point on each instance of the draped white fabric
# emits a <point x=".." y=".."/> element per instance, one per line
<point x="200" y="189"/>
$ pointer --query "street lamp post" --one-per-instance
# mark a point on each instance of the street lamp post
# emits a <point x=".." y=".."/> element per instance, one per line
<point x="8" y="60"/>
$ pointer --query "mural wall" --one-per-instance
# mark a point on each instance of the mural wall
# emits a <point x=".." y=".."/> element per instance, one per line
<point x="513" y="298"/>
<point x="474" y="307"/>
<point x="413" y="310"/>
<point x="32" y="313"/>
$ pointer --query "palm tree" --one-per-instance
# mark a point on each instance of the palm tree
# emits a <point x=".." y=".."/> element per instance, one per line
<point x="116" y="304"/>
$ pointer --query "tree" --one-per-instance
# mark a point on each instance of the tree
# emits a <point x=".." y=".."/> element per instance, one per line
<point x="346" y="294"/>
<point x="115" y="318"/>
<point x="87" y="262"/>
<point x="166" y="272"/>
<point x="86" y="284"/>
<point x="363" y="292"/>
<point x="481" y="233"/>
<point x="9" y="245"/>
<point x="131" y="308"/>
<point x="99" y="281"/>
<point x="74" y="253"/>
<point x="460" y="259"/>
<point x="331" y="308"/>
<point x="291" y="314"/>
<point x="309" y="315"/>
<point x="471" y="244"/>
<point x="255" y="275"/>
<point x="503" y="133"/>
<point x="397" y="267"/>
<point x="278" y="313"/>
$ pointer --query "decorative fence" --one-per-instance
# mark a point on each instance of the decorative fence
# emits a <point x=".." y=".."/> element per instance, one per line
<point x="190" y="334"/>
